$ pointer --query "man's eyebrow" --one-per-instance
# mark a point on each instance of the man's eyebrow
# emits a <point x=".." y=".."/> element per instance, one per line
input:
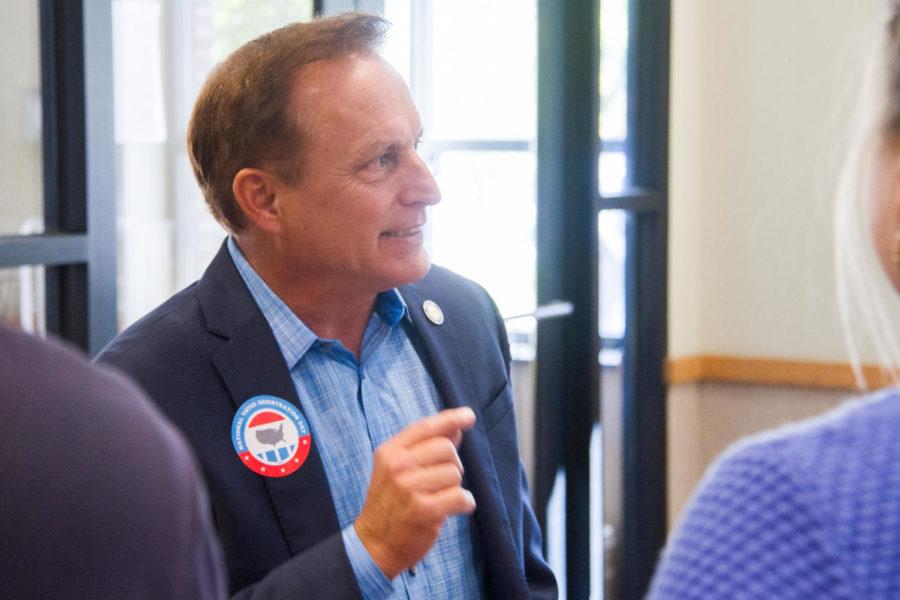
<point x="378" y="147"/>
<point x="386" y="145"/>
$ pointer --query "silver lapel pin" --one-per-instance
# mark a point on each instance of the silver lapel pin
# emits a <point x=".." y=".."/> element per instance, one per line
<point x="433" y="312"/>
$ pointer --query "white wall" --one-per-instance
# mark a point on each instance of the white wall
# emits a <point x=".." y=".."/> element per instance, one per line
<point x="759" y="100"/>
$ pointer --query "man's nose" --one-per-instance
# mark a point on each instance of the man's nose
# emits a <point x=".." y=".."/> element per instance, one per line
<point x="422" y="188"/>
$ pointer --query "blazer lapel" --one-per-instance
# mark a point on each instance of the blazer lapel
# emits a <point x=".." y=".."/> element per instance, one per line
<point x="445" y="361"/>
<point x="250" y="363"/>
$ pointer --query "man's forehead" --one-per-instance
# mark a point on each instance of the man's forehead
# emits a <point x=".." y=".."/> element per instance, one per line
<point x="363" y="82"/>
<point x="358" y="90"/>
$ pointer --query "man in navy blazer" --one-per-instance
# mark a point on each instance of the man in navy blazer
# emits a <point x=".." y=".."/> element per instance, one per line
<point x="304" y="143"/>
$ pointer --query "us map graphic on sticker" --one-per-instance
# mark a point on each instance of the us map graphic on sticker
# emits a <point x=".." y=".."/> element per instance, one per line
<point x="271" y="436"/>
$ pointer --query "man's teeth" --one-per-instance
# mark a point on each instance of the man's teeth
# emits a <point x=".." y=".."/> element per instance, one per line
<point x="403" y="232"/>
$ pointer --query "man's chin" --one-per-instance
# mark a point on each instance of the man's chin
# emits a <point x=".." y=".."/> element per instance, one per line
<point x="409" y="274"/>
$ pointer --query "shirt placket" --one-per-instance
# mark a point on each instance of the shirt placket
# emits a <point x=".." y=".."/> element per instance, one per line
<point x="383" y="422"/>
<point x="340" y="431"/>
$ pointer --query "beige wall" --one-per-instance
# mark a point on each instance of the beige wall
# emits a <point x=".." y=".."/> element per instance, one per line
<point x="705" y="418"/>
<point x="760" y="97"/>
<point x="20" y="143"/>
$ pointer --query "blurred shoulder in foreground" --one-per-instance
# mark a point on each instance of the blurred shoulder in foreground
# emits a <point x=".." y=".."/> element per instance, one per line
<point x="101" y="496"/>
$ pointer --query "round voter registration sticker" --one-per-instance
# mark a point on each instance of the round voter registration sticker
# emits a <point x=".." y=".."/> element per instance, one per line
<point x="270" y="436"/>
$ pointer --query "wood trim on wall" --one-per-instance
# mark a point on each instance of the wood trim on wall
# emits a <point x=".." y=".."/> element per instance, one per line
<point x="770" y="371"/>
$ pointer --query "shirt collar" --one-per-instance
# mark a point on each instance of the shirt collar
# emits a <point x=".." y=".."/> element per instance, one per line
<point x="294" y="338"/>
<point x="391" y="307"/>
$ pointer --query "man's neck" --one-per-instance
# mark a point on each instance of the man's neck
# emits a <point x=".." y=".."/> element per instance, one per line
<point x="328" y="308"/>
<point x="332" y="315"/>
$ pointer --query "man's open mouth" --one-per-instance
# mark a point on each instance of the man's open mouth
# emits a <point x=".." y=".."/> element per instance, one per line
<point x="401" y="233"/>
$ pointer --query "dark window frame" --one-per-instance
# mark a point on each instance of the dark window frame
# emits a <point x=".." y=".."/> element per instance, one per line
<point x="568" y="390"/>
<point x="644" y="522"/>
<point x="78" y="247"/>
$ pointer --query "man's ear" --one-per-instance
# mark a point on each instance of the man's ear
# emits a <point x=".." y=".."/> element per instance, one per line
<point x="256" y="192"/>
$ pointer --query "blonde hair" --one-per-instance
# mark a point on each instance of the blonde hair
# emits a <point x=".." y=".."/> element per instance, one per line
<point x="866" y="301"/>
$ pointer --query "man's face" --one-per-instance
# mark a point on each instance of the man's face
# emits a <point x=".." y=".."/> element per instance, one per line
<point x="354" y="220"/>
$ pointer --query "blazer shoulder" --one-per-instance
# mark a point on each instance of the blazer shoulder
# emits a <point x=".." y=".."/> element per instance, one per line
<point x="448" y="288"/>
<point x="470" y="312"/>
<point x="168" y="330"/>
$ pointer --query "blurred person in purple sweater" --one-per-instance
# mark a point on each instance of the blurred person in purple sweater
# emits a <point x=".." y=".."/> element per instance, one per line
<point x="812" y="510"/>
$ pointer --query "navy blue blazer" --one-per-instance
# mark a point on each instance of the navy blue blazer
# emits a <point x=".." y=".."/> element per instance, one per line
<point x="209" y="348"/>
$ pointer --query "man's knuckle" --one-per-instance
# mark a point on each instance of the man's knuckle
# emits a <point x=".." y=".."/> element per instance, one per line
<point x="392" y="462"/>
<point x="447" y="474"/>
<point x="421" y="508"/>
<point x="406" y="485"/>
<point x="433" y="513"/>
<point x="446" y="449"/>
<point x="455" y="474"/>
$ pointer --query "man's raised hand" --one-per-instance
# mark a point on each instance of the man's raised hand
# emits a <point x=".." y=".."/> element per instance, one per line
<point x="415" y="486"/>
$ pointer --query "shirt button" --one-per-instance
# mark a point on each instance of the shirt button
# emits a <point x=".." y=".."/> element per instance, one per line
<point x="411" y="571"/>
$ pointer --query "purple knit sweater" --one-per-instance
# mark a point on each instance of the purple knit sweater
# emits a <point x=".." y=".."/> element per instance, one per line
<point x="807" y="511"/>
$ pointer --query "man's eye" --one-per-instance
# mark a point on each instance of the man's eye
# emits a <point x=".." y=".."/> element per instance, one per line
<point x="386" y="160"/>
<point x="380" y="165"/>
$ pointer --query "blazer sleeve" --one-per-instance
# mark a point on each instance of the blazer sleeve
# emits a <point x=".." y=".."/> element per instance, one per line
<point x="322" y="571"/>
<point x="541" y="581"/>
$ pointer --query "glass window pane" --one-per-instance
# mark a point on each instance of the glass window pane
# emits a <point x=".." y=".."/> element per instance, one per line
<point x="162" y="53"/>
<point x="396" y="49"/>
<point x="484" y="228"/>
<point x="607" y="443"/>
<point x="22" y="298"/>
<point x="484" y="70"/>
<point x="607" y="458"/>
<point x="141" y="133"/>
<point x="235" y="22"/>
<point x="613" y="69"/>
<point x="613" y="171"/>
<point x="555" y="532"/>
<point x="611" y="234"/>
<point x="21" y="170"/>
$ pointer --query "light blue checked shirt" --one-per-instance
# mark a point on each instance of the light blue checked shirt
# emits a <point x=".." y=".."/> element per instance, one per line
<point x="352" y="408"/>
